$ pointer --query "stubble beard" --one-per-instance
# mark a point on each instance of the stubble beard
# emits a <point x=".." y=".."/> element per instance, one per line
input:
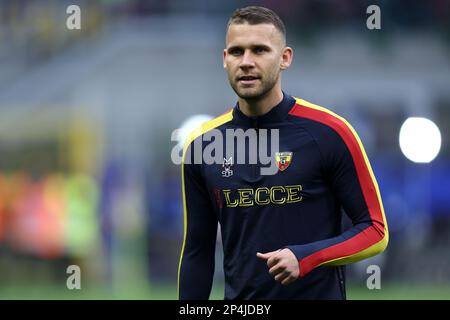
<point x="254" y="93"/>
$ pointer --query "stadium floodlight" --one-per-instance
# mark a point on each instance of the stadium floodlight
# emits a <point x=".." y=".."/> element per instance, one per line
<point x="420" y="139"/>
<point x="189" y="125"/>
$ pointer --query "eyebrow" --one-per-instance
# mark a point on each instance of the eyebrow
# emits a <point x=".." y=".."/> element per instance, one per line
<point x="253" y="46"/>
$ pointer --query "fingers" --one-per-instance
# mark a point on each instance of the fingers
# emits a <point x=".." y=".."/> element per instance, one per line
<point x="288" y="280"/>
<point x="276" y="269"/>
<point x="273" y="260"/>
<point x="283" y="266"/>
<point x="281" y="276"/>
<point x="271" y="257"/>
<point x="265" y="256"/>
<point x="285" y="277"/>
<point x="280" y="273"/>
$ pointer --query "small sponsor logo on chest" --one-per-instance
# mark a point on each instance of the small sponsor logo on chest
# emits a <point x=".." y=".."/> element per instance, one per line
<point x="227" y="171"/>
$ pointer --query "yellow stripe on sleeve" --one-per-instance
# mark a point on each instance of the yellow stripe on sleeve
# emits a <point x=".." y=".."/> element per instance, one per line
<point x="209" y="125"/>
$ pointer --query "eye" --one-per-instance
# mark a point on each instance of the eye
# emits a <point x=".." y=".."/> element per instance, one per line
<point x="235" y="51"/>
<point x="259" y="50"/>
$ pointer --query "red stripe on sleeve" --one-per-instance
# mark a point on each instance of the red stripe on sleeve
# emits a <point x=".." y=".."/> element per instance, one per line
<point x="368" y="236"/>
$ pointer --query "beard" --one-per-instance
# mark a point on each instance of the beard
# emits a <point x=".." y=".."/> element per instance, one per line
<point x="255" y="92"/>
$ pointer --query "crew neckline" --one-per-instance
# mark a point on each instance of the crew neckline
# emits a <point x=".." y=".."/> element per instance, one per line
<point x="276" y="114"/>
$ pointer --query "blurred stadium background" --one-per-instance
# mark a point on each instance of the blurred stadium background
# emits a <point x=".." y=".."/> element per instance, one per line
<point x="86" y="118"/>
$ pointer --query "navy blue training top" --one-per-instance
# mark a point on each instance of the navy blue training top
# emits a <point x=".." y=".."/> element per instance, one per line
<point x="321" y="168"/>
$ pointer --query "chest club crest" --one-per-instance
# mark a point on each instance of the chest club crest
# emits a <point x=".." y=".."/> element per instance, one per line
<point x="283" y="160"/>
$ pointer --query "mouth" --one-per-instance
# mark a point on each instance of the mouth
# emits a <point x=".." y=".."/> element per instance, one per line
<point x="248" y="80"/>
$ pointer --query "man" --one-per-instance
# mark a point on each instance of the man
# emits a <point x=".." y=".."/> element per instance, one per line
<point x="281" y="233"/>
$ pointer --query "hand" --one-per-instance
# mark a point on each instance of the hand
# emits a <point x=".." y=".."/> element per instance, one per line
<point x="283" y="265"/>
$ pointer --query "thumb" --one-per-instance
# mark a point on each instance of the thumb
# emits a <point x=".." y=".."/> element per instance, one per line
<point x="265" y="256"/>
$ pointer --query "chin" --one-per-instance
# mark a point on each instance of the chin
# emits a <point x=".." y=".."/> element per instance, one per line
<point x="249" y="94"/>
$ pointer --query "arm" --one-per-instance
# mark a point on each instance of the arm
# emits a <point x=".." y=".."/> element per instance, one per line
<point x="353" y="183"/>
<point x="196" y="268"/>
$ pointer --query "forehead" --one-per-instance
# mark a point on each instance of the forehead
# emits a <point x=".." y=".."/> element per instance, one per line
<point x="247" y="35"/>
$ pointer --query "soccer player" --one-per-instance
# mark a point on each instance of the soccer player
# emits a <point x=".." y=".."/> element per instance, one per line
<point x="282" y="233"/>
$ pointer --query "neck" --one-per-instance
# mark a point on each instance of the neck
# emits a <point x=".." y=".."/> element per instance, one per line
<point x="262" y="105"/>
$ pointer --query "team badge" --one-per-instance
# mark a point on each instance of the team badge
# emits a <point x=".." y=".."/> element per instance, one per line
<point x="227" y="163"/>
<point x="283" y="160"/>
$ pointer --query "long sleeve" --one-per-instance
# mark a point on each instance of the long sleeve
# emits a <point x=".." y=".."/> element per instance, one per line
<point x="196" y="268"/>
<point x="349" y="174"/>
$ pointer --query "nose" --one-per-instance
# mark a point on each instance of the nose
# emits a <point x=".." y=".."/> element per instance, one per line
<point x="247" y="60"/>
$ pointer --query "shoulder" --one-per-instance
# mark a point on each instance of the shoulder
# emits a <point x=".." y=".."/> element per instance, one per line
<point x="324" y="124"/>
<point x="207" y="126"/>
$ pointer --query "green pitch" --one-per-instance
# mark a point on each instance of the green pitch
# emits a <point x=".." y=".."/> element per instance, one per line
<point x="167" y="292"/>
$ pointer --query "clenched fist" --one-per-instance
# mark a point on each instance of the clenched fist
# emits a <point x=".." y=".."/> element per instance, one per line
<point x="283" y="265"/>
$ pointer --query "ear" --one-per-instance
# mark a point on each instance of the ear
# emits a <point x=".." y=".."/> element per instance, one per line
<point x="224" y="56"/>
<point x="286" y="58"/>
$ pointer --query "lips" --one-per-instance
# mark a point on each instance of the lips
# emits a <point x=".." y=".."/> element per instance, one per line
<point x="248" y="80"/>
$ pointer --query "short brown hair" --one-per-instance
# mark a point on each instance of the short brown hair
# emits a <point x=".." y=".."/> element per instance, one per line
<point x="256" y="15"/>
